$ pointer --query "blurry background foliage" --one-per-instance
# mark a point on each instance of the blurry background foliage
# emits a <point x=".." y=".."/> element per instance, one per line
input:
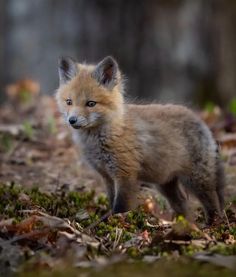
<point x="170" y="50"/>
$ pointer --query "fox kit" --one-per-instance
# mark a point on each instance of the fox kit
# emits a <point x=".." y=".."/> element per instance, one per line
<point x="166" y="145"/>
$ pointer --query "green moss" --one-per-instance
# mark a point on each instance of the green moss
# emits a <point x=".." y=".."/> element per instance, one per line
<point x="224" y="249"/>
<point x="137" y="218"/>
<point x="190" y="249"/>
<point x="133" y="252"/>
<point x="221" y="231"/>
<point x="102" y="200"/>
<point x="232" y="231"/>
<point x="9" y="201"/>
<point x="126" y="236"/>
<point x="6" y="142"/>
<point x="65" y="206"/>
<point x="80" y="199"/>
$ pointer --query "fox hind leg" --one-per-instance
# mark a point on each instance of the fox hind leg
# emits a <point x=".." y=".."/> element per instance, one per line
<point x="220" y="183"/>
<point x="206" y="192"/>
<point x="175" y="196"/>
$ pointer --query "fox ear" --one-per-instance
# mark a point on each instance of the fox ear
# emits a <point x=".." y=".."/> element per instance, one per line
<point x="107" y="72"/>
<point x="67" y="68"/>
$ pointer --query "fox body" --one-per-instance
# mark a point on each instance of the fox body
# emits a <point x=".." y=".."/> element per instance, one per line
<point x="128" y="144"/>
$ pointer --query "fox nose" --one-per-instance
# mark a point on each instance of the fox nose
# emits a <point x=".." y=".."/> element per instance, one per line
<point x="72" y="120"/>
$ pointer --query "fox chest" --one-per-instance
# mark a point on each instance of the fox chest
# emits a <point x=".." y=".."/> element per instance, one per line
<point x="99" y="158"/>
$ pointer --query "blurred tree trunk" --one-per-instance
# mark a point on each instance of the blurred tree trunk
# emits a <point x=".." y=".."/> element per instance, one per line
<point x="225" y="45"/>
<point x="170" y="50"/>
<point x="2" y="52"/>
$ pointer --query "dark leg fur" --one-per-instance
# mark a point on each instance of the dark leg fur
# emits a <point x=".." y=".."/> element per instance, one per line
<point x="121" y="205"/>
<point x="210" y="202"/>
<point x="175" y="196"/>
<point x="110" y="189"/>
<point x="220" y="182"/>
<point x="207" y="177"/>
<point x="125" y="196"/>
<point x="204" y="190"/>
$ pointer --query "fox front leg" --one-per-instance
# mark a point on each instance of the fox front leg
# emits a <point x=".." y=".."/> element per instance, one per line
<point x="125" y="195"/>
<point x="110" y="188"/>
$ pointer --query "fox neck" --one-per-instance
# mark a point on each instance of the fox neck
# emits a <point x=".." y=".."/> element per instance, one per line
<point x="106" y="129"/>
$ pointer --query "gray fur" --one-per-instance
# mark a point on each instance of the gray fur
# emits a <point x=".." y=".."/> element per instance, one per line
<point x="189" y="156"/>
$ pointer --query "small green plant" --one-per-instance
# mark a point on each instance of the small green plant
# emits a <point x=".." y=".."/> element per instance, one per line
<point x="25" y="96"/>
<point x="28" y="130"/>
<point x="162" y="203"/>
<point x="232" y="106"/>
<point x="52" y="125"/>
<point x="209" y="107"/>
<point x="103" y="200"/>
<point x="224" y="249"/>
<point x="6" y="142"/>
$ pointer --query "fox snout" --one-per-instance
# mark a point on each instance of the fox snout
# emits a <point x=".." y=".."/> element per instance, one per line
<point x="72" y="120"/>
<point x="77" y="122"/>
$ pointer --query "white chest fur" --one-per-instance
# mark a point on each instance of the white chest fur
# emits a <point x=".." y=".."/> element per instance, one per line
<point x="96" y="151"/>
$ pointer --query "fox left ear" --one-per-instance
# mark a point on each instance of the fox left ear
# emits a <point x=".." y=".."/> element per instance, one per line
<point x="107" y="73"/>
<point x="67" y="68"/>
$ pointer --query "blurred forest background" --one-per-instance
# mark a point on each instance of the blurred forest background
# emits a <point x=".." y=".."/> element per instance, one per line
<point x="171" y="50"/>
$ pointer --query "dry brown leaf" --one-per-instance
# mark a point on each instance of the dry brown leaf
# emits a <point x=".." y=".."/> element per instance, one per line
<point x="228" y="140"/>
<point x="26" y="225"/>
<point x="52" y="221"/>
<point x="26" y="85"/>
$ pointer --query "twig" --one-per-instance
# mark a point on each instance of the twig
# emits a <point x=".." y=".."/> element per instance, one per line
<point x="117" y="238"/>
<point x="226" y="217"/>
<point x="105" y="216"/>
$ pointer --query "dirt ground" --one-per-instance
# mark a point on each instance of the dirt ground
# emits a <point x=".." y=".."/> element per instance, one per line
<point x="37" y="150"/>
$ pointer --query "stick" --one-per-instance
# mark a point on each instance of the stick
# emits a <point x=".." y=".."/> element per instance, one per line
<point x="94" y="224"/>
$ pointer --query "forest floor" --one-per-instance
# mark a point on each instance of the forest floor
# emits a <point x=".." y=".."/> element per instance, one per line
<point x="49" y="202"/>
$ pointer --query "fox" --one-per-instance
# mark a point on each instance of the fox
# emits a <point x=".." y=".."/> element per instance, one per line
<point x="166" y="145"/>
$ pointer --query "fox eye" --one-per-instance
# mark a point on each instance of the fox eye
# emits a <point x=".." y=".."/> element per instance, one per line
<point x="68" y="101"/>
<point x="91" y="104"/>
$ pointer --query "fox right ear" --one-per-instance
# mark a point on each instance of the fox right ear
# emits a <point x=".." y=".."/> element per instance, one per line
<point x="67" y="68"/>
<point x="107" y="72"/>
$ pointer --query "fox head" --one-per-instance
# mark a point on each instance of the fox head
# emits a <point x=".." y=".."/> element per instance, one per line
<point x="90" y="96"/>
